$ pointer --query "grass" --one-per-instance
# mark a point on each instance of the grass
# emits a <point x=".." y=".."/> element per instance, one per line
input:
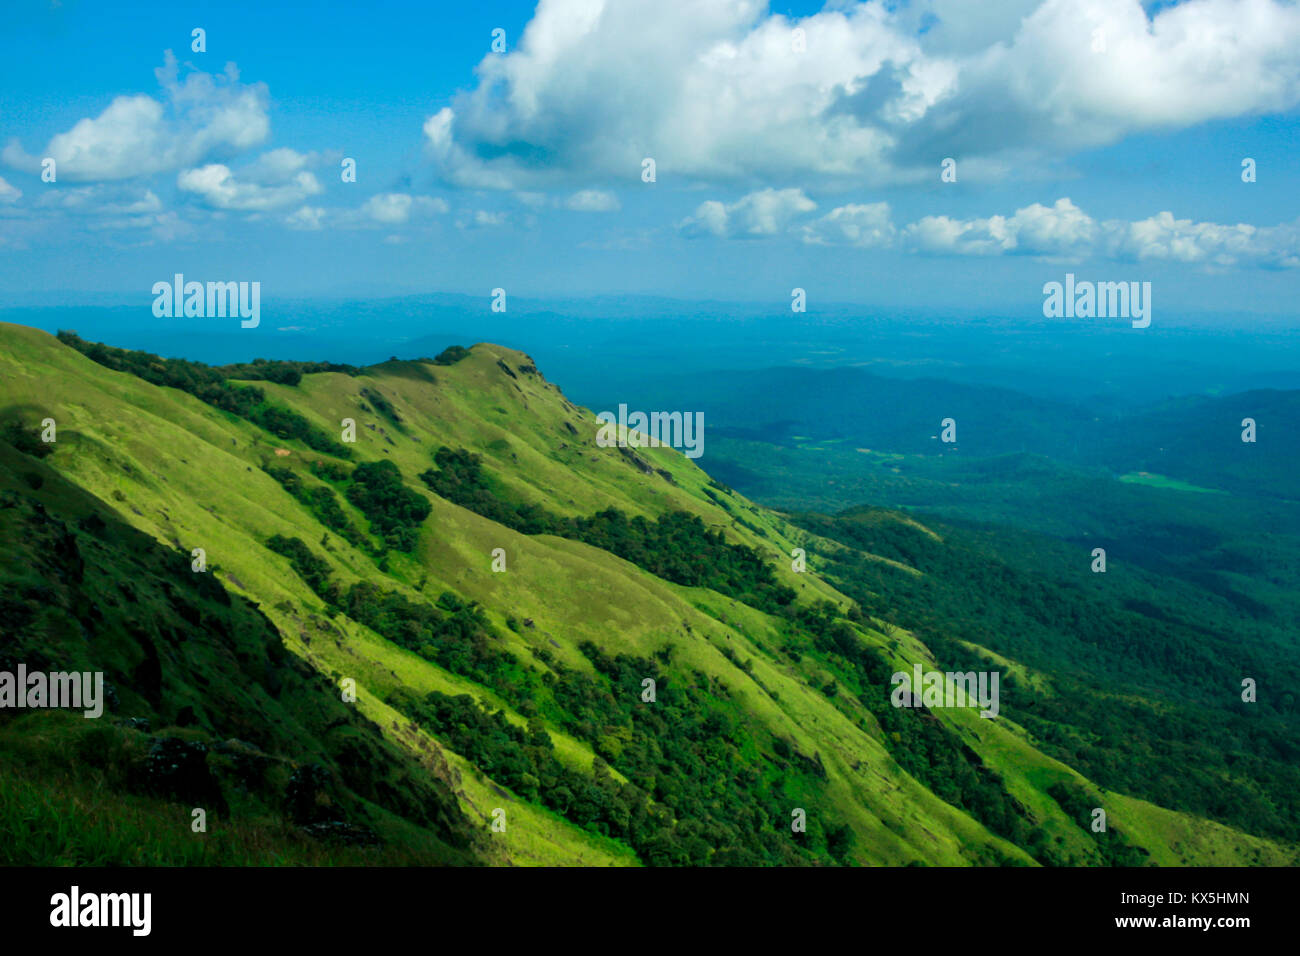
<point x="1163" y="481"/>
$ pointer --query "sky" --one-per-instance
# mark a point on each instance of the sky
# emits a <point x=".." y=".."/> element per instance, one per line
<point x="795" y="145"/>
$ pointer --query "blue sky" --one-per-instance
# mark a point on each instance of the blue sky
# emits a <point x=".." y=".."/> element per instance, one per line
<point x="1098" y="137"/>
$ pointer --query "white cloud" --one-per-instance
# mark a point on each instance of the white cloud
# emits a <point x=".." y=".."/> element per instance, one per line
<point x="592" y="200"/>
<point x="764" y="213"/>
<point x="381" y="210"/>
<point x="9" y="194"/>
<point x="973" y="237"/>
<point x="1163" y="237"/>
<point x="278" y="166"/>
<point x="1197" y="61"/>
<point x="868" y="226"/>
<point x="138" y="135"/>
<point x="396" y="208"/>
<point x="1066" y="231"/>
<point x="306" y="218"/>
<point x="100" y="200"/>
<point x="714" y="89"/>
<point x="164" y="226"/>
<point x="100" y="208"/>
<point x="1060" y="230"/>
<point x="219" y="188"/>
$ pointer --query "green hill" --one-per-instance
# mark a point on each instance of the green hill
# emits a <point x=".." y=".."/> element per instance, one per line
<point x="500" y="716"/>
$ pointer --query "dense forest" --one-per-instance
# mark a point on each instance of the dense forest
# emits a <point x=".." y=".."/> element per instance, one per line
<point x="1143" y="697"/>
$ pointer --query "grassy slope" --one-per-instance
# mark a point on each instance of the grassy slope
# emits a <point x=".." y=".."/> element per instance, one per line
<point x="190" y="476"/>
<point x="178" y="652"/>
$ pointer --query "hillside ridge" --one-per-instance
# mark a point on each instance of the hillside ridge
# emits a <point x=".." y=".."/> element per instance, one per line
<point x="497" y="588"/>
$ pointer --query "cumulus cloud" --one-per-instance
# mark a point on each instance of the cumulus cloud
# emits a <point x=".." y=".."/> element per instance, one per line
<point x="1061" y="231"/>
<point x="592" y="200"/>
<point x="396" y="208"/>
<point x="482" y="219"/>
<point x="1065" y="231"/>
<point x="163" y="226"/>
<point x="278" y="166"/>
<point x="384" y="210"/>
<point x="721" y="90"/>
<point x="197" y="116"/>
<point x="101" y="200"/>
<point x="1162" y="237"/>
<point x="99" y="208"/>
<point x="584" y="200"/>
<point x="308" y="218"/>
<point x="217" y="186"/>
<point x="9" y="194"/>
<point x="65" y="205"/>
<point x="866" y="225"/>
<point x="764" y="213"/>
<point x="977" y="237"/>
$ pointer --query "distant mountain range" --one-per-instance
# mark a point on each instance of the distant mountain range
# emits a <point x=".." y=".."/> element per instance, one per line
<point x="1197" y="439"/>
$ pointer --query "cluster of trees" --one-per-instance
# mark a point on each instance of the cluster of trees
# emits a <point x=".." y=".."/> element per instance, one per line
<point x="917" y="741"/>
<point x="210" y="384"/>
<point x="696" y="750"/>
<point x="460" y="479"/>
<point x="265" y="370"/>
<point x="1113" y="846"/>
<point x="451" y="355"/>
<point x="28" y="441"/>
<point x="323" y="502"/>
<point x="314" y="572"/>
<point x="523" y="759"/>
<point x="395" y="512"/>
<point x="453" y="633"/>
<point x="383" y="406"/>
<point x="699" y="789"/>
<point x="678" y="546"/>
